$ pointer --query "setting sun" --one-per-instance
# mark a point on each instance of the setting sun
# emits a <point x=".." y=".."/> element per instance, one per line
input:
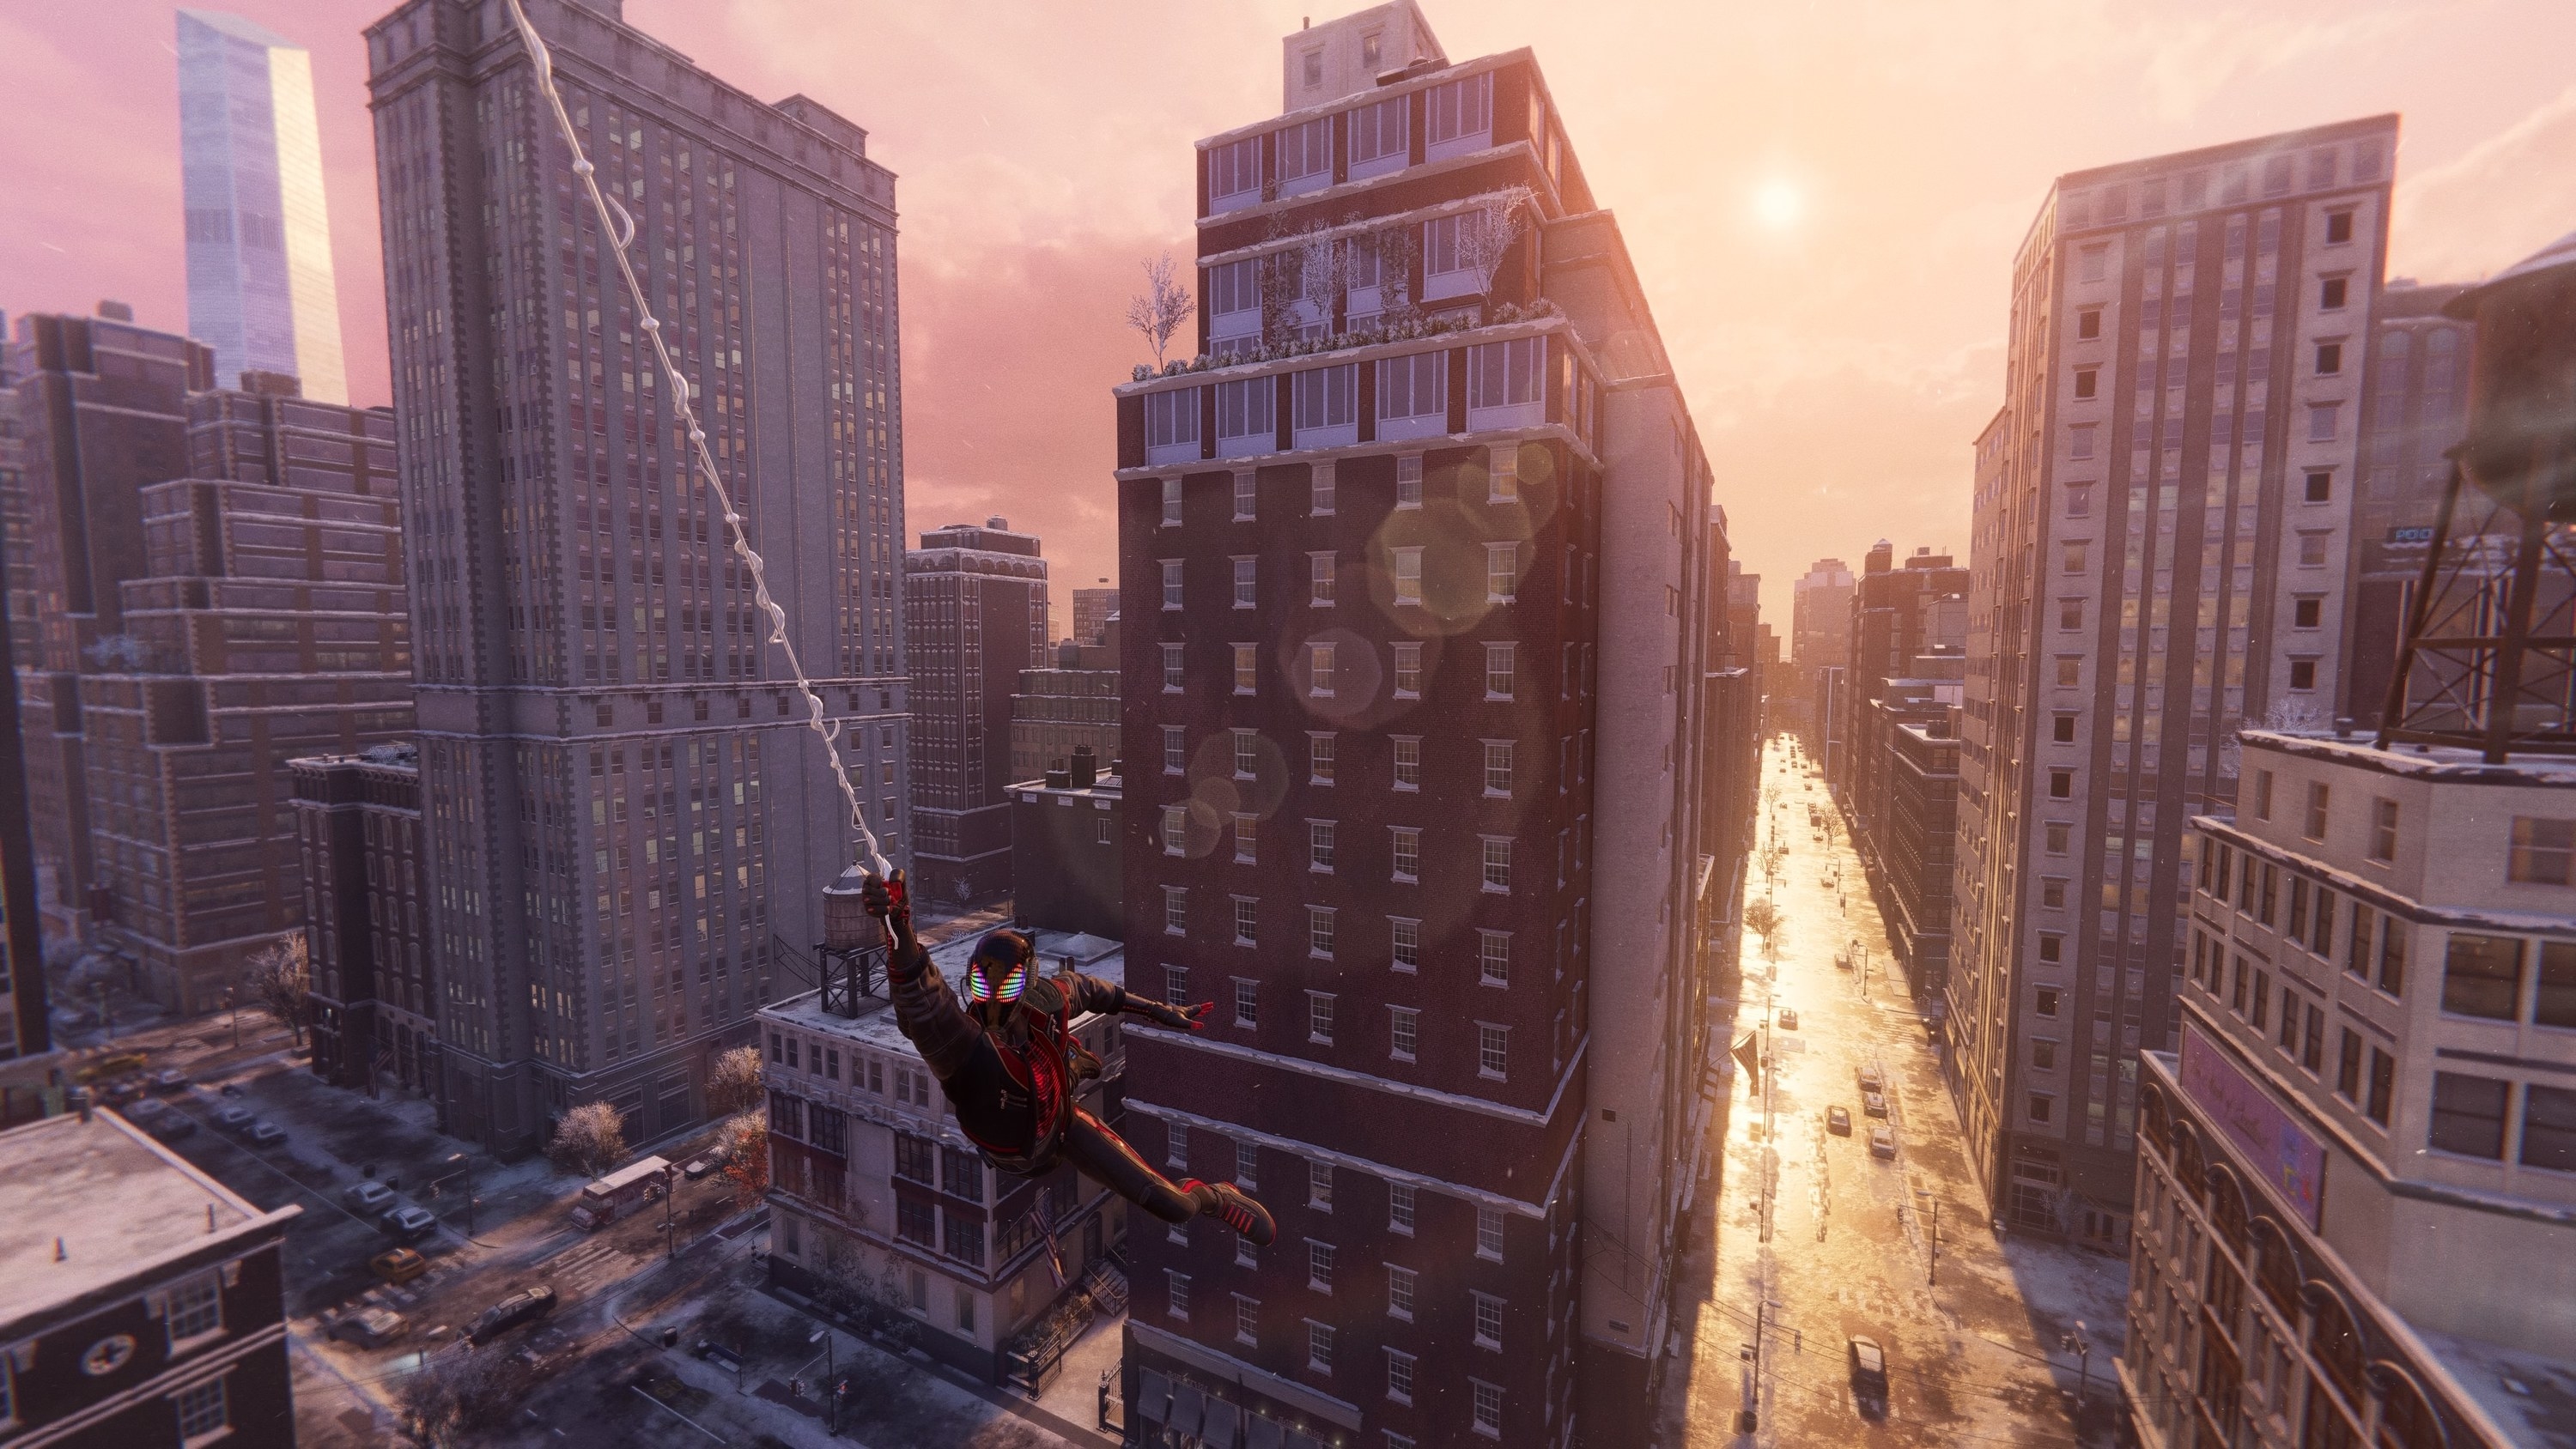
<point x="1778" y="204"/>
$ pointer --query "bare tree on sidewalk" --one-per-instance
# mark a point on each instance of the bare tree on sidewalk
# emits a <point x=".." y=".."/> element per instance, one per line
<point x="734" y="1082"/>
<point x="1763" y="919"/>
<point x="1159" y="310"/>
<point x="590" y="1140"/>
<point x="280" y="979"/>
<point x="459" y="1397"/>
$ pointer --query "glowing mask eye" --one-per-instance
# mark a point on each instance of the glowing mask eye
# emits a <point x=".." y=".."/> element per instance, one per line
<point x="976" y="989"/>
<point x="1013" y="982"/>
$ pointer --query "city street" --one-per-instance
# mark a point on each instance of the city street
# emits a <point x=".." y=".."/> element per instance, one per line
<point x="1844" y="1243"/>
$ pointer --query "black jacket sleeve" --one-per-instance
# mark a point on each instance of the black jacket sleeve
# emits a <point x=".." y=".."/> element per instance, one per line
<point x="926" y="1011"/>
<point x="1090" y="993"/>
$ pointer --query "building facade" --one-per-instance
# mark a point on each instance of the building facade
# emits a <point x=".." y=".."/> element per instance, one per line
<point x="2357" y="1171"/>
<point x="270" y="620"/>
<point x="1066" y="851"/>
<point x="24" y="1010"/>
<point x="2162" y="516"/>
<point x="102" y="413"/>
<point x="147" y="1303"/>
<point x="1820" y="647"/>
<point x="1908" y="797"/>
<point x="1361" y="540"/>
<point x="375" y="990"/>
<point x="260" y="283"/>
<point x="880" y="1204"/>
<point x="1092" y="611"/>
<point x="1896" y="615"/>
<point x="625" y="807"/>
<point x="1069" y="707"/>
<point x="975" y="601"/>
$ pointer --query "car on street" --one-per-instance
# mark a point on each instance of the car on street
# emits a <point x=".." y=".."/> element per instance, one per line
<point x="717" y="1354"/>
<point x="1871" y="1081"/>
<point x="120" y="1092"/>
<point x="141" y="1113"/>
<point x="524" y="1306"/>
<point x="410" y="1223"/>
<point x="700" y="1167"/>
<point x="1838" y="1121"/>
<point x="367" y="1196"/>
<point x="398" y="1265"/>
<point x="230" y="1089"/>
<point x="169" y="1079"/>
<point x="1842" y="961"/>
<point x="265" y="1134"/>
<point x="234" y="1119"/>
<point x="1873" y="1103"/>
<point x="1868" y="1373"/>
<point x="1882" y="1141"/>
<point x="171" y="1126"/>
<point x="373" y="1328"/>
<point x="1788" y="1019"/>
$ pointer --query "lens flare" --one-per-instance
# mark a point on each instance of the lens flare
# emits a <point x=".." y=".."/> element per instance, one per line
<point x="1778" y="204"/>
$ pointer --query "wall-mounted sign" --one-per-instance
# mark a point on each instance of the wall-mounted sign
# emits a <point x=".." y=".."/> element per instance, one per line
<point x="2293" y="1162"/>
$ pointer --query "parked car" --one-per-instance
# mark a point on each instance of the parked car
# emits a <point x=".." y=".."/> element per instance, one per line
<point x="410" y="1223"/>
<point x="1882" y="1141"/>
<point x="373" y="1328"/>
<point x="1788" y="1019"/>
<point x="234" y="1119"/>
<point x="367" y="1196"/>
<point x="265" y="1134"/>
<point x="121" y="1091"/>
<point x="169" y="1079"/>
<point x="1842" y="961"/>
<point x="711" y="1163"/>
<point x="717" y="1354"/>
<point x="399" y="1265"/>
<point x="230" y="1089"/>
<point x="141" y="1113"/>
<point x="1871" y="1081"/>
<point x="1873" y="1103"/>
<point x="1838" y="1121"/>
<point x="1868" y="1373"/>
<point x="524" y="1306"/>
<point x="171" y="1126"/>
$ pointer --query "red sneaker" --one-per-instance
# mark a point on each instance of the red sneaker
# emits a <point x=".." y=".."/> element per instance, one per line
<point x="1237" y="1210"/>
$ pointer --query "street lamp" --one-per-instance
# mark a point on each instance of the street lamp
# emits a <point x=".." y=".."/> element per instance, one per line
<point x="455" y="1157"/>
<point x="831" y="1377"/>
<point x="2076" y="1344"/>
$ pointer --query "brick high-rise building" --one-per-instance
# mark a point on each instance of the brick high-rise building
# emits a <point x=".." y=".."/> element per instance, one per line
<point x="1092" y="611"/>
<point x="2162" y="519"/>
<point x="23" y="1009"/>
<point x="975" y="607"/>
<point x="375" y="989"/>
<point x="102" y="412"/>
<point x="625" y="808"/>
<point x="1063" y="708"/>
<point x="1380" y="687"/>
<point x="1897" y="614"/>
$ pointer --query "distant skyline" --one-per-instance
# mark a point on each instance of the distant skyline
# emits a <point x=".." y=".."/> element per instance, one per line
<point x="1823" y="202"/>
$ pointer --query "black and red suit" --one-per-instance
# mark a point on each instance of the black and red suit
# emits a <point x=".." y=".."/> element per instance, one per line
<point x="1011" y="1066"/>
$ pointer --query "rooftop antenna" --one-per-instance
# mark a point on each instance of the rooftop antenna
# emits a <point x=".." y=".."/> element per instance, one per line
<point x="619" y="225"/>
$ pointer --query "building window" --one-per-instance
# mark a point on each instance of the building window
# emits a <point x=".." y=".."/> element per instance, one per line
<point x="1176" y="1145"/>
<point x="1488" y="1319"/>
<point x="2303" y="674"/>
<point x="1405" y="1021"/>
<point x="1247" y="1319"/>
<point x="2468" y="1114"/>
<point x="2383" y="1086"/>
<point x="1326" y="397"/>
<point x="2088" y="323"/>
<point x="1246" y="927"/>
<point x="1246" y="412"/>
<point x="1493" y="1050"/>
<point x="2329" y="359"/>
<point x="1319" y="1016"/>
<point x="1320" y="490"/>
<point x="2320" y="485"/>
<point x="203" y="1412"/>
<point x="2061" y="784"/>
<point x="1408" y="761"/>
<point x="2331" y="292"/>
<point x="1176" y="990"/>
<point x="2321" y="424"/>
<point x="1319" y="758"/>
<point x="1399" y="1208"/>
<point x="1247" y="754"/>
<point x="2554" y="1003"/>
<point x="2070" y="671"/>
<point x="2045" y="1002"/>
<point x="195" y="1311"/>
<point x="1405" y="842"/>
<point x="2316" y="822"/>
<point x="2482" y="977"/>
<point x="1319" y="1346"/>
<point x="1176" y="1294"/>
<point x="1500" y="665"/>
<point x="2079" y="442"/>
<point x="2092" y="263"/>
<point x="1172" y="426"/>
<point x="1502" y="572"/>
<point x="2041" y="1105"/>
<point x="1176" y="829"/>
<point x="2071" y="558"/>
<point x="1489" y="1233"/>
<point x="2348" y="1066"/>
<point x="1319" y="1186"/>
<point x="1494" y="957"/>
<point x="1506" y="374"/>
<point x="964" y="1238"/>
<point x="1246" y="665"/>
<point x="1399" y="1373"/>
<point x="2542" y="851"/>
<point x="1408" y="481"/>
<point x="2549" y="1127"/>
<point x="1413" y="387"/>
<point x="1408" y="671"/>
<point x="1319" y="932"/>
<point x="1498" y="864"/>
<point x="1176" y="910"/>
<point x="1320" y="579"/>
<point x="1488" y="1409"/>
<point x="2079" y="501"/>
<point x="916" y="1221"/>
<point x="1247" y="839"/>
<point x="1247" y="593"/>
<point x="1319" y="671"/>
<point x="1378" y="132"/>
<point x="1171" y="585"/>
<point x="1498" y="769"/>
<point x="1247" y="1002"/>
<point x="1172" y="669"/>
<point x="2307" y="612"/>
<point x="1407" y="575"/>
<point x="1319" y="1266"/>
<point x="2383" y="829"/>
<point x="1407" y="944"/>
<point x="2088" y="382"/>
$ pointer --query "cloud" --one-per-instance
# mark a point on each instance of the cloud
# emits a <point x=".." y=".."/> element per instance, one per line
<point x="2505" y="198"/>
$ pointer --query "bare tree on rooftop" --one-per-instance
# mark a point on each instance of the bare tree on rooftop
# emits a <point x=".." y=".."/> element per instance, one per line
<point x="1489" y="230"/>
<point x="590" y="1140"/>
<point x="733" y="1083"/>
<point x="1159" y="310"/>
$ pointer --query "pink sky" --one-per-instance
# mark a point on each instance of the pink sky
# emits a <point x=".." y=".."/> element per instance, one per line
<point x="1839" y="361"/>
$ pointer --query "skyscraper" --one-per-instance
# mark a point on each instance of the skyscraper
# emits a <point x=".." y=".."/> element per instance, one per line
<point x="22" y="1000"/>
<point x="2161" y="519"/>
<point x="1379" y="688"/>
<point x="625" y="809"/>
<point x="1092" y="608"/>
<point x="975" y="611"/>
<point x="260" y="289"/>
<point x="1819" y="639"/>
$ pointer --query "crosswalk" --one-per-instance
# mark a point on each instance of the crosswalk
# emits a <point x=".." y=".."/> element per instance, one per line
<point x="584" y="1268"/>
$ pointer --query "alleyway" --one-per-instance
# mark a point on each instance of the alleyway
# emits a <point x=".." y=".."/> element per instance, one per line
<point x="1850" y="1243"/>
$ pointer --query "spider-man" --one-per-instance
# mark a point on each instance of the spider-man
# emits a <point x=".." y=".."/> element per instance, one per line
<point x="1011" y="1067"/>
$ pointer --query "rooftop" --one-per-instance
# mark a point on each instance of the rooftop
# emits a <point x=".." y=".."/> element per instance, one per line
<point x="115" y="1201"/>
<point x="874" y="1025"/>
<point x="2449" y="764"/>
